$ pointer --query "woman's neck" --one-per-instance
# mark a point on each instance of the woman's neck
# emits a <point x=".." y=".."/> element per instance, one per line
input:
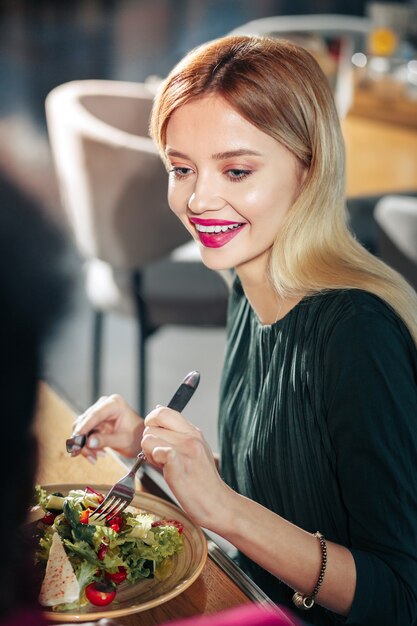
<point x="263" y="298"/>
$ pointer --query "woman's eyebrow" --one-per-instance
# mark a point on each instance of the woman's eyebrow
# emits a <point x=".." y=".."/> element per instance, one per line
<point x="235" y="153"/>
<point x="218" y="156"/>
<point x="175" y="153"/>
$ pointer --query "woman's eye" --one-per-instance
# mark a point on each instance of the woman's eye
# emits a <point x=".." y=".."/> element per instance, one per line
<point x="236" y="174"/>
<point x="180" y="172"/>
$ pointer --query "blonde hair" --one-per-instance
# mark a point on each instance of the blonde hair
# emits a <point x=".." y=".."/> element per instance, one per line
<point x="279" y="87"/>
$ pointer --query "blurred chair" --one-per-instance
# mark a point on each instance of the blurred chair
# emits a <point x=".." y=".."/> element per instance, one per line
<point x="139" y="259"/>
<point x="396" y="218"/>
<point x="332" y="39"/>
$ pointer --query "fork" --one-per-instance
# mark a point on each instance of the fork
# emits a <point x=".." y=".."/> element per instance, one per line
<point x="122" y="493"/>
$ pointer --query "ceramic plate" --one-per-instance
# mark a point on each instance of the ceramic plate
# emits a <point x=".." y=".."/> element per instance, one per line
<point x="145" y="594"/>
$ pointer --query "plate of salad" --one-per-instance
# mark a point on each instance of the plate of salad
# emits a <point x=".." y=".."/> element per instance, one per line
<point x="143" y="557"/>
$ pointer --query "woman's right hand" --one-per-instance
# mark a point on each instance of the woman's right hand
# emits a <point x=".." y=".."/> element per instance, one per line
<point x="115" y="425"/>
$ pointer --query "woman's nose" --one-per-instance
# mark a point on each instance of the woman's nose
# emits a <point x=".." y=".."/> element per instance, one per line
<point x="205" y="198"/>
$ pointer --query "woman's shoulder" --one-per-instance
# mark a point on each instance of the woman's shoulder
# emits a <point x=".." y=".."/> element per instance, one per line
<point x="355" y="304"/>
<point x="353" y="301"/>
<point x="364" y="302"/>
<point x="357" y="318"/>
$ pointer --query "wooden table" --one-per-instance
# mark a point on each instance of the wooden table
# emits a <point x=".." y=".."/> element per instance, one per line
<point x="213" y="591"/>
<point x="380" y="157"/>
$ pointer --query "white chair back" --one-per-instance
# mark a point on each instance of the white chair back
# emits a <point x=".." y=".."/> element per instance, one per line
<point x="351" y="31"/>
<point x="397" y="218"/>
<point x="113" y="184"/>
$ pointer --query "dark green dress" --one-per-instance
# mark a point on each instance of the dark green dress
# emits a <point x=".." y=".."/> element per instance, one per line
<point x="318" y="422"/>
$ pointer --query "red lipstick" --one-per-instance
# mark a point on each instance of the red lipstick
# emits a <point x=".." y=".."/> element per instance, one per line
<point x="216" y="239"/>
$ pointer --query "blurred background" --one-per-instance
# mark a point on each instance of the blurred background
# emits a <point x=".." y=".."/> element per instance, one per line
<point x="44" y="44"/>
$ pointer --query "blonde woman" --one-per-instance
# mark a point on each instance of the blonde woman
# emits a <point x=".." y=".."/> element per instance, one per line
<point x="318" y="475"/>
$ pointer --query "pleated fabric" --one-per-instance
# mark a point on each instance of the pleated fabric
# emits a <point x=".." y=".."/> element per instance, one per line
<point x="277" y="446"/>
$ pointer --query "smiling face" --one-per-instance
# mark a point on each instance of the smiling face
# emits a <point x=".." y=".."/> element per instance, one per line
<point x="230" y="184"/>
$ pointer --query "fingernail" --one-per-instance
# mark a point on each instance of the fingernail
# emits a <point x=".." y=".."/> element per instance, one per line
<point x="101" y="453"/>
<point x="92" y="459"/>
<point x="158" y="406"/>
<point x="93" y="442"/>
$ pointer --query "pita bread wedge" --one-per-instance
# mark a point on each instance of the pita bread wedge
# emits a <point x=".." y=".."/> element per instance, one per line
<point x="60" y="584"/>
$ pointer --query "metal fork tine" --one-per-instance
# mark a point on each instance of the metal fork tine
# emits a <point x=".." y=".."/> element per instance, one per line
<point x="110" y="504"/>
<point x="123" y="491"/>
<point x="113" y="503"/>
<point x="110" y="511"/>
<point x="114" y="507"/>
<point x="121" y="507"/>
<point x="101" y="506"/>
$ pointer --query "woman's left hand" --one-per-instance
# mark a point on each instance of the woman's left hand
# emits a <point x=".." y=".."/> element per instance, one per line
<point x="179" y="448"/>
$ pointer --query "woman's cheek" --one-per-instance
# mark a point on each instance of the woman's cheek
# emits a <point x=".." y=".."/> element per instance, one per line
<point x="179" y="208"/>
<point x="176" y="199"/>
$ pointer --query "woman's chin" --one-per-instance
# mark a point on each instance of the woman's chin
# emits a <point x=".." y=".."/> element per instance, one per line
<point x="214" y="260"/>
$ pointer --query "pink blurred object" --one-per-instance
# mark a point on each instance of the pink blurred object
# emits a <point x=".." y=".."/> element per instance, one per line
<point x="247" y="615"/>
<point x="24" y="617"/>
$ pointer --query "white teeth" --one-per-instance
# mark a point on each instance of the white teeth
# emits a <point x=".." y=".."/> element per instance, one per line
<point x="217" y="228"/>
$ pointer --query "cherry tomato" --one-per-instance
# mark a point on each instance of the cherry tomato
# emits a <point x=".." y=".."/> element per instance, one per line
<point x="169" y="522"/>
<point x="118" y="577"/>
<point x="49" y="518"/>
<point x="100" y="594"/>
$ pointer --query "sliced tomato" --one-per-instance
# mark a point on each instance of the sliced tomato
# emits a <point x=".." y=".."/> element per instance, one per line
<point x="117" y="577"/>
<point x="169" y="522"/>
<point x="100" y="593"/>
